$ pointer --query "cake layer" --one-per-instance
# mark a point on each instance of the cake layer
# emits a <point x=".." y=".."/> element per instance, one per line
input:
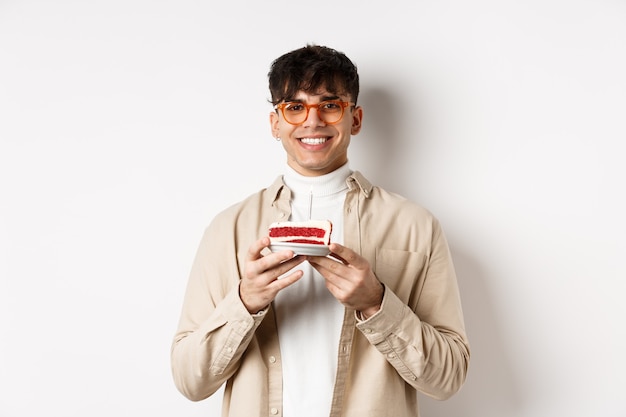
<point x="315" y="232"/>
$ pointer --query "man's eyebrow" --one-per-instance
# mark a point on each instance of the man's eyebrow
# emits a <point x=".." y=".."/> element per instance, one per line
<point x="323" y="98"/>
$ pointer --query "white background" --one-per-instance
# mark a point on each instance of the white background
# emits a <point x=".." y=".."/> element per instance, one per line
<point x="125" y="126"/>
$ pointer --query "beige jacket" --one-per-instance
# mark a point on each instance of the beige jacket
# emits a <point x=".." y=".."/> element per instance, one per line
<point x="416" y="341"/>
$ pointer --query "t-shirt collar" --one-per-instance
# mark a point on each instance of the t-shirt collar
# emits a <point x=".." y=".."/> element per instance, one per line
<point x="320" y="186"/>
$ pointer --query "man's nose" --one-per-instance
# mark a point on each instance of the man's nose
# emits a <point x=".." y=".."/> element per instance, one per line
<point x="313" y="118"/>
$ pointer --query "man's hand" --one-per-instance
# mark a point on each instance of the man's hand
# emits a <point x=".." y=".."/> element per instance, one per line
<point x="351" y="281"/>
<point x="260" y="282"/>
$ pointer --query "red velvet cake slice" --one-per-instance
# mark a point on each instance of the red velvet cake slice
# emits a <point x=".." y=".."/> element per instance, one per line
<point x="315" y="232"/>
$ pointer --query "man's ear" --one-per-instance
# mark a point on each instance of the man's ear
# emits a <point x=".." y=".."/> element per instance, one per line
<point x="357" y="118"/>
<point x="274" y="124"/>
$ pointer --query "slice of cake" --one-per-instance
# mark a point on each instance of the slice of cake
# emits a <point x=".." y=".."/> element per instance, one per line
<point x="316" y="232"/>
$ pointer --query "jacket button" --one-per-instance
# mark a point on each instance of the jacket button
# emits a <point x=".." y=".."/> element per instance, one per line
<point x="274" y="410"/>
<point x="272" y="359"/>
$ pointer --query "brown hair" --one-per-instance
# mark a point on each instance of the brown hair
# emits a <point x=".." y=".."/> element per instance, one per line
<point x="311" y="68"/>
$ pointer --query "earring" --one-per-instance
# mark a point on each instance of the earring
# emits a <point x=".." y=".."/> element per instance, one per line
<point x="277" y="138"/>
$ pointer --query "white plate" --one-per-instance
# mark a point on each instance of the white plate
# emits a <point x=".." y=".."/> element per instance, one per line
<point x="301" y="248"/>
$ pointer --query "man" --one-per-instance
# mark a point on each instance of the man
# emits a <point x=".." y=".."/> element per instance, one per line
<point x="356" y="333"/>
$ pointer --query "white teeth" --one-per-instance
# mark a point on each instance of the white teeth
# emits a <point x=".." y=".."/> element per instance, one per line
<point x="313" y="141"/>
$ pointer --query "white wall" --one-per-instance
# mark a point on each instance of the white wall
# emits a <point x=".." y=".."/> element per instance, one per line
<point x="123" y="124"/>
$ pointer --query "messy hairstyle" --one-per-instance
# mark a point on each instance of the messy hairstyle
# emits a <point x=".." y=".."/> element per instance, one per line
<point x="309" y="69"/>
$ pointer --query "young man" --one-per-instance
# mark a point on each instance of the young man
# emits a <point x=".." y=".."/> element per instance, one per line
<point x="296" y="336"/>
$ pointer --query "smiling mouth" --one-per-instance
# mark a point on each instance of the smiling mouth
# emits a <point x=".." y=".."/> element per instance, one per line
<point x="313" y="141"/>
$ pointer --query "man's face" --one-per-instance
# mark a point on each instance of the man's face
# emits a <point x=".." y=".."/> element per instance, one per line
<point x="315" y="147"/>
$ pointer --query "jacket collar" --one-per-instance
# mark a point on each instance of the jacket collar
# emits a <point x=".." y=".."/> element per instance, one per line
<point x="358" y="180"/>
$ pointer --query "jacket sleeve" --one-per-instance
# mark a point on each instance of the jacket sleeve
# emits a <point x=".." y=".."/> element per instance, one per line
<point x="214" y="328"/>
<point x="425" y="340"/>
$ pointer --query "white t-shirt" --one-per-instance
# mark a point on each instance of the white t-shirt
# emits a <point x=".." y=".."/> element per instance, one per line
<point x="309" y="318"/>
